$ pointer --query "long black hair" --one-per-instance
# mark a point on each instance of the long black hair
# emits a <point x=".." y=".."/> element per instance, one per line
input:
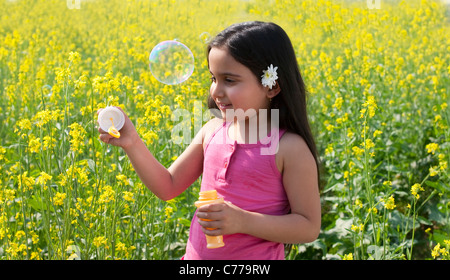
<point x="257" y="45"/>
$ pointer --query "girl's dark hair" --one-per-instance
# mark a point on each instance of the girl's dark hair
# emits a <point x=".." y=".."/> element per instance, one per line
<point x="256" y="45"/>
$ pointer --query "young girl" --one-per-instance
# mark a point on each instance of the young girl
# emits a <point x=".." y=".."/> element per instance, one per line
<point x="270" y="198"/>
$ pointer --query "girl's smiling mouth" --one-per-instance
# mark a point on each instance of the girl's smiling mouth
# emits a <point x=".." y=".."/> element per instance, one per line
<point x="224" y="106"/>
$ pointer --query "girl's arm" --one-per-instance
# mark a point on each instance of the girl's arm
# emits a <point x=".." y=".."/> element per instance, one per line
<point x="300" y="181"/>
<point x="164" y="183"/>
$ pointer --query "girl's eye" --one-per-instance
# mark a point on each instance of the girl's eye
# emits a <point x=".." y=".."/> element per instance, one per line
<point x="226" y="80"/>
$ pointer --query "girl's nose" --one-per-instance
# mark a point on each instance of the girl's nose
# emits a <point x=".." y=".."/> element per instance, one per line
<point x="216" y="91"/>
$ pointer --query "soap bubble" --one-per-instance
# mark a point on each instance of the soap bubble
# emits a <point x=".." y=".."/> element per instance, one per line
<point x="171" y="62"/>
<point x="47" y="90"/>
<point x="205" y="37"/>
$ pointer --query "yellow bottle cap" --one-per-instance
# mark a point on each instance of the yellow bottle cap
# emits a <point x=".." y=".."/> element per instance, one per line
<point x="208" y="195"/>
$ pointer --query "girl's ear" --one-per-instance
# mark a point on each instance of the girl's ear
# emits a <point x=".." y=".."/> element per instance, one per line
<point x="271" y="93"/>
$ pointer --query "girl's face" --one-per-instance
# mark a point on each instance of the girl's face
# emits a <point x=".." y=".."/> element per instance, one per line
<point x="234" y="86"/>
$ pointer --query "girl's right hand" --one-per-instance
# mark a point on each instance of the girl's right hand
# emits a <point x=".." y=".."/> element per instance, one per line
<point x="128" y="134"/>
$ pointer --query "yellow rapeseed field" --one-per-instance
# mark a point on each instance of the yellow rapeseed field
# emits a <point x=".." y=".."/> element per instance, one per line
<point x="378" y="79"/>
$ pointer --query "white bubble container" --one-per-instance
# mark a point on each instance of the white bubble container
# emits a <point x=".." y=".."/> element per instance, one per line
<point x="105" y="115"/>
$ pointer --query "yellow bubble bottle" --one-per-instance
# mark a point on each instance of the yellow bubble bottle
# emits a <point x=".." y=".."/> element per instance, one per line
<point x="209" y="197"/>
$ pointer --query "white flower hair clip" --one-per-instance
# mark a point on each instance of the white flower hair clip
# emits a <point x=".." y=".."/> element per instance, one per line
<point x="269" y="77"/>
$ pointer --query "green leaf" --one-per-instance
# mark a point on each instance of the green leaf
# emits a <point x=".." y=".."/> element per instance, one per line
<point x="91" y="165"/>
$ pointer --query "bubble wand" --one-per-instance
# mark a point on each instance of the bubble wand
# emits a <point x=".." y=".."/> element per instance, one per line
<point x="112" y="130"/>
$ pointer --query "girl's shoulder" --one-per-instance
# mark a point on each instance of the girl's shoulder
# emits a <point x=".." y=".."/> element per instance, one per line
<point x="209" y="128"/>
<point x="293" y="149"/>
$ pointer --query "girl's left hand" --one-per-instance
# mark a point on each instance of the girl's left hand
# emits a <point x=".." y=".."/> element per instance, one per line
<point x="226" y="218"/>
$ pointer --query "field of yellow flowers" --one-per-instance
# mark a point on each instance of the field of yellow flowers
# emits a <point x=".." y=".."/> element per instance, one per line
<point x="379" y="87"/>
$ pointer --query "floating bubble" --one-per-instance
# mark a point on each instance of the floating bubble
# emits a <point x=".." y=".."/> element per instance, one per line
<point x="171" y="62"/>
<point x="47" y="90"/>
<point x="205" y="37"/>
<point x="47" y="87"/>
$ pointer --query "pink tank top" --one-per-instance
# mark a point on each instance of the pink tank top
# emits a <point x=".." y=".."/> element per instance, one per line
<point x="247" y="176"/>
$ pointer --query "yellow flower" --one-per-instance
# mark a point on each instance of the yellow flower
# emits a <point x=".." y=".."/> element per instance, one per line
<point x="23" y="248"/>
<point x="329" y="126"/>
<point x="432" y="147"/>
<point x="376" y="133"/>
<point x="107" y="194"/>
<point x="81" y="82"/>
<point x="121" y="247"/>
<point x="23" y="124"/>
<point x="338" y="103"/>
<point x="58" y="199"/>
<point x="363" y="112"/>
<point x="13" y="249"/>
<point x="77" y="133"/>
<point x="49" y="142"/>
<point x="122" y="178"/>
<point x="387" y="183"/>
<point x="357" y="151"/>
<point x="20" y="234"/>
<point x="168" y="211"/>
<point x="434" y="171"/>
<point x="179" y="99"/>
<point x="113" y="167"/>
<point x="128" y="196"/>
<point x="43" y="178"/>
<point x="2" y="153"/>
<point x="444" y="106"/>
<point x="35" y="256"/>
<point x="61" y="74"/>
<point x="358" y="228"/>
<point x="34" y="144"/>
<point x="390" y="203"/>
<point x="350" y="133"/>
<point x="74" y="57"/>
<point x="346" y="175"/>
<point x="437" y="250"/>
<point x="343" y="119"/>
<point x="443" y="165"/>
<point x="329" y="149"/>
<point x="34" y="237"/>
<point x="371" y="105"/>
<point x="26" y="181"/>
<point x="415" y="190"/>
<point x="100" y="241"/>
<point x="42" y="117"/>
<point x="368" y="144"/>
<point x="149" y="136"/>
<point x="348" y="257"/>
